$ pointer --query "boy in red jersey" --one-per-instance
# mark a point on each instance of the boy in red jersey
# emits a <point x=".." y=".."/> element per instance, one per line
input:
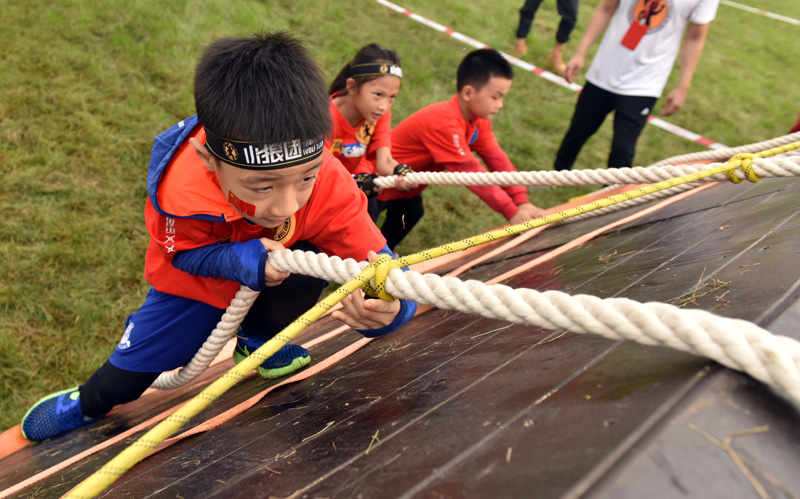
<point x="443" y="136"/>
<point x="246" y="176"/>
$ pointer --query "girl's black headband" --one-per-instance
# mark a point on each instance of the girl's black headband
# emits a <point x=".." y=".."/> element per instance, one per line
<point x="375" y="69"/>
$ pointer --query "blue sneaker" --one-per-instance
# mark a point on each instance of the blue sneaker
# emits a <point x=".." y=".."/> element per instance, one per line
<point x="287" y="360"/>
<point x="53" y="415"/>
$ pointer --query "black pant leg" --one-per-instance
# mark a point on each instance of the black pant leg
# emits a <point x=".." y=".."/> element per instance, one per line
<point x="526" y="14"/>
<point x="110" y="386"/>
<point x="401" y="216"/>
<point x="593" y="105"/>
<point x="568" y="10"/>
<point x="276" y="307"/>
<point x="373" y="208"/>
<point x="630" y="117"/>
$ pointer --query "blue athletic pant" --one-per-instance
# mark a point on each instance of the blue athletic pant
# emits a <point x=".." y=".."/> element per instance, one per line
<point x="168" y="330"/>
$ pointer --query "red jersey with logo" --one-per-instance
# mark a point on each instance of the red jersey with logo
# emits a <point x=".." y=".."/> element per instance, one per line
<point x="334" y="219"/>
<point x="355" y="146"/>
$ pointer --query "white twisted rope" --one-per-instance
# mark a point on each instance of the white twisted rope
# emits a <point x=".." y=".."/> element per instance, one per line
<point x="723" y="154"/>
<point x="738" y="344"/>
<point x="784" y="165"/>
<point x="777" y="166"/>
<point x="630" y="203"/>
<point x="787" y="164"/>
<point x="227" y="327"/>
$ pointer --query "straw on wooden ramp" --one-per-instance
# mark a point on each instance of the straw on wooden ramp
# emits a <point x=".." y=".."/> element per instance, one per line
<point x="740" y="345"/>
<point x="338" y="356"/>
<point x="771" y="360"/>
<point x="12" y="440"/>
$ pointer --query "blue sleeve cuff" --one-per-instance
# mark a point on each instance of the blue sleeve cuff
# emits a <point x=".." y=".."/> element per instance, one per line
<point x="239" y="262"/>
<point x="262" y="265"/>
<point x="407" y="311"/>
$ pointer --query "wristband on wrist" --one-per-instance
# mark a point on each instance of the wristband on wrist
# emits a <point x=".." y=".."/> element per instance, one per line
<point x="403" y="169"/>
<point x="366" y="182"/>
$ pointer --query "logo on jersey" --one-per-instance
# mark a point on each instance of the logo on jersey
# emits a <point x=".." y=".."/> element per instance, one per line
<point x="457" y="143"/>
<point x="365" y="132"/>
<point x="336" y="146"/>
<point x="125" y="342"/>
<point x="354" y="150"/>
<point x="654" y="14"/>
<point x="285" y="231"/>
<point x="169" y="234"/>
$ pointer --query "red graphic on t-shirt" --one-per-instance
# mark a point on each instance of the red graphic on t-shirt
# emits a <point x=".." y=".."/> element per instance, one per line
<point x="651" y="12"/>
<point x="647" y="16"/>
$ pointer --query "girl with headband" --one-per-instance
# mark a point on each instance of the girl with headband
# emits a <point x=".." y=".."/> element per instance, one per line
<point x="362" y="95"/>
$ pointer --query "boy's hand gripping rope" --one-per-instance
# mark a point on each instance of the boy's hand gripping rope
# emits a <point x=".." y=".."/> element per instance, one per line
<point x="780" y="363"/>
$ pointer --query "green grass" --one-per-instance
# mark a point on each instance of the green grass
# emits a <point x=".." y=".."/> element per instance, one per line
<point x="86" y="86"/>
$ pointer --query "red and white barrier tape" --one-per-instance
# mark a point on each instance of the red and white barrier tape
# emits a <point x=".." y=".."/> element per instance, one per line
<point x="675" y="129"/>
<point x="754" y="10"/>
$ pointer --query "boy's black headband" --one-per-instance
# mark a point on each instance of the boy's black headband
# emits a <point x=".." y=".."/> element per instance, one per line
<point x="375" y="69"/>
<point x="259" y="156"/>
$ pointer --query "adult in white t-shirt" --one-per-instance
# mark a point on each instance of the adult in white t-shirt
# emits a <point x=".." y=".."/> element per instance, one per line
<point x="631" y="68"/>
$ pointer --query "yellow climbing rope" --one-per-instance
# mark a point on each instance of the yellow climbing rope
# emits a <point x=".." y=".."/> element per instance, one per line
<point x="116" y="467"/>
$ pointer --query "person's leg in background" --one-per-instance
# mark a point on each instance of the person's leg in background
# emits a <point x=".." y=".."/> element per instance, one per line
<point x="526" y="14"/>
<point x="630" y="117"/>
<point x="593" y="105"/>
<point x="568" y="10"/>
<point x="401" y="216"/>
<point x="374" y="208"/>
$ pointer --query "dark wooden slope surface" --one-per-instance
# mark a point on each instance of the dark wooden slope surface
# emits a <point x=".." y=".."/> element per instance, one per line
<point x="470" y="407"/>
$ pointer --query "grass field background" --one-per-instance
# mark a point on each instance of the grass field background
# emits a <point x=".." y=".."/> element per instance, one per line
<point x="86" y="85"/>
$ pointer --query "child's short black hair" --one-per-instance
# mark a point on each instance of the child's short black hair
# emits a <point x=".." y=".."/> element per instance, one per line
<point x="264" y="88"/>
<point x="479" y="66"/>
<point x="368" y="53"/>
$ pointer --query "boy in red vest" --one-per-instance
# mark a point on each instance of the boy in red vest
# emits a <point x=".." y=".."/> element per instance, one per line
<point x="247" y="175"/>
<point x="443" y="136"/>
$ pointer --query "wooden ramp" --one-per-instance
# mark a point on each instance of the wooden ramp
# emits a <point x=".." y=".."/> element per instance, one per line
<point x="455" y="405"/>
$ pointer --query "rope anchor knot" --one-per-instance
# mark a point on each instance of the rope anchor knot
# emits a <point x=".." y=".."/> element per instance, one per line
<point x="747" y="166"/>
<point x="383" y="266"/>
